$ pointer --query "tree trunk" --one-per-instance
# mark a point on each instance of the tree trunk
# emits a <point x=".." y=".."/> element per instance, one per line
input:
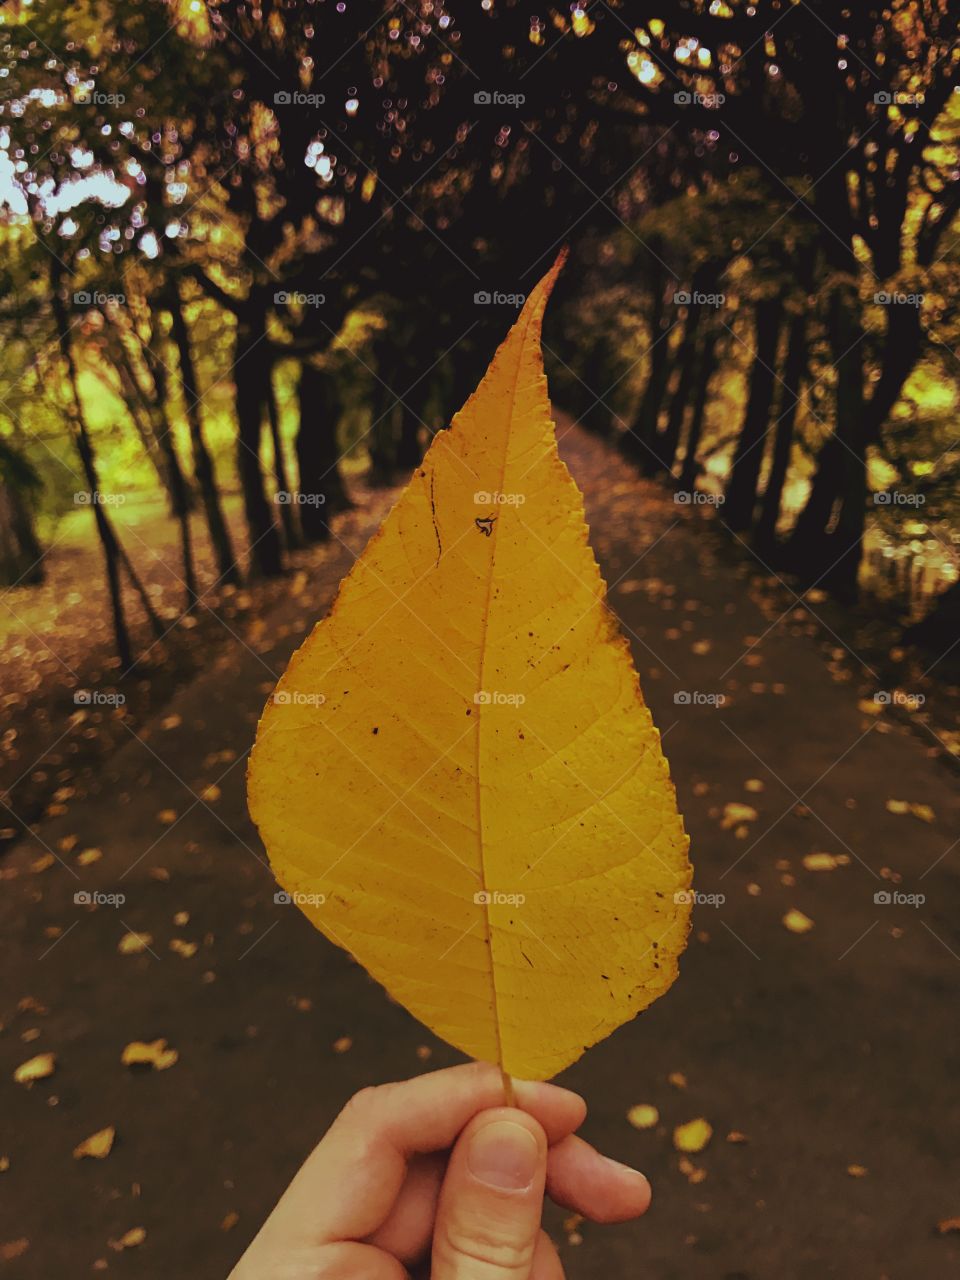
<point x="637" y="442"/>
<point x="826" y="542"/>
<point x="251" y="376"/>
<point x="741" y="492"/>
<point x="322" y="490"/>
<point x="21" y="556"/>
<point x="285" y="494"/>
<point x="176" y="481"/>
<point x="202" y="463"/>
<point x="81" y="436"/>
<point x="706" y="366"/>
<point x="795" y="367"/>
<point x="665" y="444"/>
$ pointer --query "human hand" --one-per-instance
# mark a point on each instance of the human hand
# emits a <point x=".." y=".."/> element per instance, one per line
<point x="437" y="1169"/>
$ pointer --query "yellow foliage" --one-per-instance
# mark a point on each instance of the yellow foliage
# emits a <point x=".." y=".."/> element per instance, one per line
<point x="457" y="777"/>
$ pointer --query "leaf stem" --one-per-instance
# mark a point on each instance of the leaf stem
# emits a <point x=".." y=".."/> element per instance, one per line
<point x="509" y="1097"/>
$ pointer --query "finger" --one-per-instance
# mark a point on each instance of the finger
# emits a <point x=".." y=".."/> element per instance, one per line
<point x="408" y="1229"/>
<point x="603" y="1190"/>
<point x="348" y="1185"/>
<point x="488" y="1218"/>
<point x="546" y="1260"/>
<point x="346" y="1261"/>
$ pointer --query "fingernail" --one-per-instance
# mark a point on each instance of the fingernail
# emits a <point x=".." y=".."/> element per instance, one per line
<point x="625" y="1168"/>
<point x="503" y="1155"/>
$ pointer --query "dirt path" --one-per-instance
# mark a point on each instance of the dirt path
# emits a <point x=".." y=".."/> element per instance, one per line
<point x="834" y="1051"/>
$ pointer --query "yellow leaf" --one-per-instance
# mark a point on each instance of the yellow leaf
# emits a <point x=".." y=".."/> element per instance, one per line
<point x="132" y="944"/>
<point x="182" y="948"/>
<point x="819" y="862"/>
<point x="643" y="1116"/>
<point x="947" y="1225"/>
<point x="856" y="1171"/>
<point x="38" y="1068"/>
<point x="692" y="1136"/>
<point x="797" y="922"/>
<point x="129" y="1240"/>
<point x="457" y="777"/>
<point x="98" y="1145"/>
<point x="735" y="813"/>
<point x="154" y="1053"/>
<point x="88" y="857"/>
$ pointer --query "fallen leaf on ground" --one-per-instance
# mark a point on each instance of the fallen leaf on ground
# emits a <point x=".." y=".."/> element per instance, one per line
<point x="820" y="862"/>
<point x="38" y="1068"/>
<point x="694" y="1174"/>
<point x="735" y="813"/>
<point x="129" y="1240"/>
<point x="737" y="1138"/>
<point x="692" y="1136"/>
<point x="87" y="857"/>
<point x="856" y="1171"/>
<point x="97" y="1146"/>
<point x="14" y="1249"/>
<point x="229" y="1221"/>
<point x="343" y="1045"/>
<point x="677" y="1079"/>
<point x="153" y="1053"/>
<point x="132" y="944"/>
<point x="797" y="922"/>
<point x="182" y="948"/>
<point x="947" y="1225"/>
<point x="643" y="1116"/>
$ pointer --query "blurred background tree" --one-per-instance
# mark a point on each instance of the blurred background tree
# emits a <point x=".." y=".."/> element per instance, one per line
<point x="247" y="249"/>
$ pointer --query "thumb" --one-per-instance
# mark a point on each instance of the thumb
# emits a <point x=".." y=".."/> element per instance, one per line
<point x="488" y="1217"/>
